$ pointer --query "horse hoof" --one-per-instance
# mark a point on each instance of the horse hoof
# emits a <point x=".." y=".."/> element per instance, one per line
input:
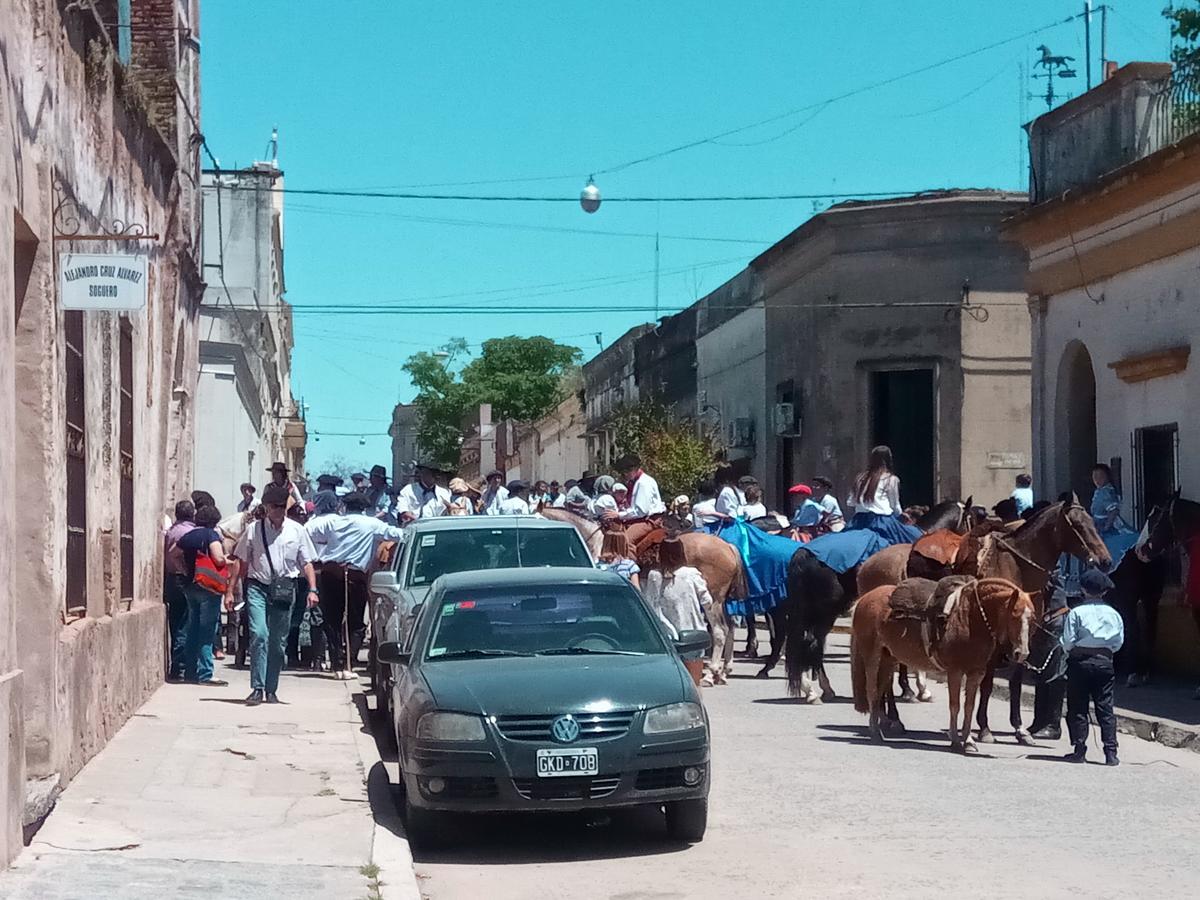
<point x="813" y="700"/>
<point x="1024" y="738"/>
<point x="956" y="746"/>
<point x="763" y="673"/>
<point x="986" y="736"/>
<point x="907" y="696"/>
<point x="895" y="728"/>
<point x="751" y="651"/>
<point x="926" y="696"/>
<point x="969" y="748"/>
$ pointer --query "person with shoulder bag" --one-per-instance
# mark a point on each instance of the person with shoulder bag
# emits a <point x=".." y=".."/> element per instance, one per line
<point x="274" y="552"/>
<point x="200" y="555"/>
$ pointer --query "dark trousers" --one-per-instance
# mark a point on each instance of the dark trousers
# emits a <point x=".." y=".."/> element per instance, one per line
<point x="1091" y="678"/>
<point x="344" y="606"/>
<point x="177" y="621"/>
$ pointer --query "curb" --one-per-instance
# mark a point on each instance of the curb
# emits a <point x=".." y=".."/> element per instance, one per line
<point x="1160" y="731"/>
<point x="396" y="878"/>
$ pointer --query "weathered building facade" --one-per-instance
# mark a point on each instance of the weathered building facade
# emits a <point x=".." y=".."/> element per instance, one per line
<point x="609" y="383"/>
<point x="246" y="417"/>
<point x="403" y="432"/>
<point x="899" y="322"/>
<point x="98" y="104"/>
<point x="1113" y="235"/>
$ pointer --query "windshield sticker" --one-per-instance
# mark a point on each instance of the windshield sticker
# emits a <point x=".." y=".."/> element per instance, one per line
<point x="448" y="609"/>
<point x="466" y="604"/>
<point x="428" y="540"/>
<point x="436" y="651"/>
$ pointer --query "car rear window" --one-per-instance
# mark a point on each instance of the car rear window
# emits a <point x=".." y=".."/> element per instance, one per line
<point x="554" y="619"/>
<point x="447" y="551"/>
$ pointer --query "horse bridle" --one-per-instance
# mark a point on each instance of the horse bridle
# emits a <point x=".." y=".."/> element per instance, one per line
<point x="1075" y="529"/>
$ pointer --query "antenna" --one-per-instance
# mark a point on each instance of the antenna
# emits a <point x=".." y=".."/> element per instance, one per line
<point x="1052" y="67"/>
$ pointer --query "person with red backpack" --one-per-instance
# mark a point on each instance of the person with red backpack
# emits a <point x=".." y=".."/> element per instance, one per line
<point x="200" y="553"/>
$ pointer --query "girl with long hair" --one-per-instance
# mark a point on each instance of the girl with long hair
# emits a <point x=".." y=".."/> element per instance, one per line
<point x="617" y="556"/>
<point x="679" y="595"/>
<point x="877" y="500"/>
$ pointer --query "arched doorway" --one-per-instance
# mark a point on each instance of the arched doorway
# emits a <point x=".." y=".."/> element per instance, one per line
<point x="1075" y="421"/>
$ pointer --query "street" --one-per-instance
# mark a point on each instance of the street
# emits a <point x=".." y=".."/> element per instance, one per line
<point x="803" y="806"/>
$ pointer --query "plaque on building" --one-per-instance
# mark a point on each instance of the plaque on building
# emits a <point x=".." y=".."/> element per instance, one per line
<point x="102" y="281"/>
<point x="1005" y="459"/>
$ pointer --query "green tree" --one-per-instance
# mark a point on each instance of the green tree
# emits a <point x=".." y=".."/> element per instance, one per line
<point x="1185" y="29"/>
<point x="677" y="454"/>
<point x="522" y="378"/>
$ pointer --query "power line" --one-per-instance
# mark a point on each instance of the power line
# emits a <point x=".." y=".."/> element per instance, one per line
<point x="383" y="309"/>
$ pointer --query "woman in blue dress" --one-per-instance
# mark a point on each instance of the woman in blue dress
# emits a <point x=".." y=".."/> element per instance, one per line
<point x="877" y="501"/>
<point x="1106" y="514"/>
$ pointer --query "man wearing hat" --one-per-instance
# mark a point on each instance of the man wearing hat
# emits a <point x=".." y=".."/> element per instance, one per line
<point x="1092" y="632"/>
<point x="377" y="494"/>
<point x="645" y="500"/>
<point x="823" y="497"/>
<point x="358" y="482"/>
<point x="517" y="501"/>
<point x="422" y="498"/>
<point x="248" y="501"/>
<point x="806" y="515"/>
<point x="494" y="494"/>
<point x="279" y="477"/>
<point x="329" y="482"/>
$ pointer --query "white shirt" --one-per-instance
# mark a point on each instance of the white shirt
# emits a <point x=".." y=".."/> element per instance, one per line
<point x="422" y="503"/>
<point x="752" y="510"/>
<point x="705" y="511"/>
<point x="291" y="549"/>
<point x="514" y="506"/>
<point x="830" y="505"/>
<point x="679" y="601"/>
<point x="645" y="500"/>
<point x="886" y="501"/>
<point x="604" y="503"/>
<point x="352" y="539"/>
<point x="729" y="501"/>
<point x="492" y="500"/>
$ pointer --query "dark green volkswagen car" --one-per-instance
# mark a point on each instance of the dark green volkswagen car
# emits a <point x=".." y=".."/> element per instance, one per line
<point x="546" y="689"/>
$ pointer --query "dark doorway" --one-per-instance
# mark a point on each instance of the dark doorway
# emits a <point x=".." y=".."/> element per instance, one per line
<point x="786" y="430"/>
<point x="1156" y="454"/>
<point x="1075" y="421"/>
<point x="902" y="417"/>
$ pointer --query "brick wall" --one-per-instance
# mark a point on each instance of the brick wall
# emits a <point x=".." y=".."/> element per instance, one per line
<point x="155" y="37"/>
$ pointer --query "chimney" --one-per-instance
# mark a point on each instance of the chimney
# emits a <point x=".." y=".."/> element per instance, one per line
<point x="1110" y="68"/>
<point x="154" y="50"/>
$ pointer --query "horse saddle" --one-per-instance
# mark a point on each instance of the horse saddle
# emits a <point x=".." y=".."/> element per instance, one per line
<point x="929" y="603"/>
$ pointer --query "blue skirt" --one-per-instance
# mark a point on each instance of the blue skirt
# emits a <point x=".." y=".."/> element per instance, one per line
<point x="890" y="528"/>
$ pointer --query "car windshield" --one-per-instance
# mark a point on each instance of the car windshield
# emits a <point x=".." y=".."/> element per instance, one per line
<point x="546" y="620"/>
<point x="467" y="549"/>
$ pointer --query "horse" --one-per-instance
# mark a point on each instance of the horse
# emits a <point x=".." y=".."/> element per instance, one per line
<point x="1141" y="575"/>
<point x="986" y="614"/>
<point x="1026" y="556"/>
<point x="816" y="596"/>
<point x="589" y="529"/>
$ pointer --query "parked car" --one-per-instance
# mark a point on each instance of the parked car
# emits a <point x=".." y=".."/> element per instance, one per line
<point x="438" y="546"/>
<point x="546" y="689"/>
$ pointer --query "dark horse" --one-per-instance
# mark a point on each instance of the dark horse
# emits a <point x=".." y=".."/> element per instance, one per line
<point x="1140" y="578"/>
<point x="816" y="596"/>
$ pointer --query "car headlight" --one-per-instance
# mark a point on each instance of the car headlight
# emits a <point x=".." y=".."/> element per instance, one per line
<point x="445" y="726"/>
<point x="674" y="717"/>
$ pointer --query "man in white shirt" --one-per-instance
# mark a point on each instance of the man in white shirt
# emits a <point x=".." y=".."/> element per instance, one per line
<point x="273" y="552"/>
<point x="423" y="498"/>
<point x="517" y="501"/>
<point x="347" y="547"/>
<point x="704" y="510"/>
<point x="729" y="500"/>
<point x="494" y="494"/>
<point x="644" y="499"/>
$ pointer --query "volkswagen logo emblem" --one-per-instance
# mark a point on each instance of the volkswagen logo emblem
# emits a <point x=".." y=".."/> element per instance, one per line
<point x="565" y="729"/>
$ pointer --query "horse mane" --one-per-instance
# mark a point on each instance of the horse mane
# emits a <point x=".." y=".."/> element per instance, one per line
<point x="947" y="514"/>
<point x="1034" y="520"/>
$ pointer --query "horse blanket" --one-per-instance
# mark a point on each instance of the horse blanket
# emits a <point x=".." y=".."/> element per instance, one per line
<point x="765" y="558"/>
<point x="844" y="550"/>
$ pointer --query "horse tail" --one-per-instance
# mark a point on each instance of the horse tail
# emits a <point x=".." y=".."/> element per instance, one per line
<point x="858" y="676"/>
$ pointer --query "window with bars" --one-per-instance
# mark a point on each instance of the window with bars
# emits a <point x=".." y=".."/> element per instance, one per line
<point x="1155" y="467"/>
<point x="126" y="428"/>
<point x="75" y="602"/>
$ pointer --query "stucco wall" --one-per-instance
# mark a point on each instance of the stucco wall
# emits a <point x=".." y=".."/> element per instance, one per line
<point x="731" y="377"/>
<point x="76" y="132"/>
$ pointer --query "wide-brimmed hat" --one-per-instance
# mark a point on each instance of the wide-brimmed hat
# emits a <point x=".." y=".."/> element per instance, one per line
<point x="378" y="472"/>
<point x="278" y="466"/>
<point x="1095" y="583"/>
<point x="460" y="486"/>
<point x="331" y="480"/>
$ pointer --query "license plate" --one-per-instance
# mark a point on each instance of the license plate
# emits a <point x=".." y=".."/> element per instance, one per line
<point x="560" y="762"/>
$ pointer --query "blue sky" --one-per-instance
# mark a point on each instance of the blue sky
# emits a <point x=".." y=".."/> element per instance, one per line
<point x="375" y="94"/>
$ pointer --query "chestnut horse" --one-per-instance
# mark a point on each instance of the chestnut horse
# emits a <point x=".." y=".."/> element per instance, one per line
<point x="589" y="529"/>
<point x="989" y="613"/>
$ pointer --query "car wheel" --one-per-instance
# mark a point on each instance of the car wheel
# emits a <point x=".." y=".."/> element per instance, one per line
<point x="426" y="828"/>
<point x="687" y="820"/>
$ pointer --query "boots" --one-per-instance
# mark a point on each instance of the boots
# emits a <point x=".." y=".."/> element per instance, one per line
<point x="1078" y="755"/>
<point x="1110" y="758"/>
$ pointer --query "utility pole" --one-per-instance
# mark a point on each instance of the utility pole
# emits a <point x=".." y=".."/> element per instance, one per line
<point x="657" y="227"/>
<point x="1087" y="41"/>
<point x="1103" y="41"/>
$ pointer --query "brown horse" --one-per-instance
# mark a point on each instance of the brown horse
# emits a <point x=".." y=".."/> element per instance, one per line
<point x="985" y="614"/>
<point x="589" y="530"/>
<point x="1026" y="557"/>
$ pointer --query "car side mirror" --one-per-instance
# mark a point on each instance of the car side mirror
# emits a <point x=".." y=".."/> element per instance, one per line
<point x="385" y="582"/>
<point x="391" y="653"/>
<point x="693" y="642"/>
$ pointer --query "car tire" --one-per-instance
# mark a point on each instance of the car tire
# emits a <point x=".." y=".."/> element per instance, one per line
<point x="425" y="828"/>
<point x="687" y="820"/>
<point x="384" y="720"/>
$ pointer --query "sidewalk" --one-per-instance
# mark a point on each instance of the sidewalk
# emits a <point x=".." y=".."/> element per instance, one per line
<point x="201" y="796"/>
<point x="1162" y="711"/>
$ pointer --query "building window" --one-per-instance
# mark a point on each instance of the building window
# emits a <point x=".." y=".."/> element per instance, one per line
<point x="1155" y="468"/>
<point x="126" y="354"/>
<point x="76" y="405"/>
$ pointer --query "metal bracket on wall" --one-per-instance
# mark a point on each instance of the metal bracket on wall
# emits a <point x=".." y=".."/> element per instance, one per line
<point x="68" y="222"/>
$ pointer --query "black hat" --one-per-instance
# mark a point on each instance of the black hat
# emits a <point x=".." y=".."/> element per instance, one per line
<point x="356" y="501"/>
<point x="378" y="472"/>
<point x="747" y="479"/>
<point x="495" y="473"/>
<point x="1095" y="583"/>
<point x="276" y="466"/>
<point x="358" y="476"/>
<point x="628" y="461"/>
<point x="331" y="480"/>
<point x="518" y="485"/>
<point x="247" y="486"/>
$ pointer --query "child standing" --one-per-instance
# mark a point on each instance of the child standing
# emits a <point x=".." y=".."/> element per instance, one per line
<point x="616" y="556"/>
<point x="1092" y="633"/>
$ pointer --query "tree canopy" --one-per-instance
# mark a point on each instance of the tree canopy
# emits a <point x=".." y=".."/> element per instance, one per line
<point x="678" y="454"/>
<point x="1185" y="29"/>
<point x="522" y="378"/>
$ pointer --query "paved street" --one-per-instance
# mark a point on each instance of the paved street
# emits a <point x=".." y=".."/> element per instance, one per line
<point x="803" y="806"/>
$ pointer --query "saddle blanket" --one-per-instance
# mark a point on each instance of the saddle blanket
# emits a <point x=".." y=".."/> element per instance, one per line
<point x="765" y="558"/>
<point x="929" y="603"/>
<point x="844" y="550"/>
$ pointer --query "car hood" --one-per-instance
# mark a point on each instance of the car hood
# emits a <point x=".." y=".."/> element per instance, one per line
<point x="544" y="685"/>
